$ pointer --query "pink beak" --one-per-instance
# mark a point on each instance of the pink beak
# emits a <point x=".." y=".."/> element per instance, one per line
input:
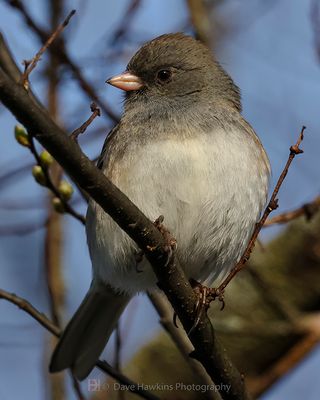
<point x="125" y="81"/>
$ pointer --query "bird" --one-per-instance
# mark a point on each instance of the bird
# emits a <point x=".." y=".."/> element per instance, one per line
<point x="182" y="149"/>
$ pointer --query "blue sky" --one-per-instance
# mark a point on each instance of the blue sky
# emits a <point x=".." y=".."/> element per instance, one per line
<point x="269" y="51"/>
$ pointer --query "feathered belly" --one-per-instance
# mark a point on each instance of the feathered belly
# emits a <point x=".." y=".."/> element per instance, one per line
<point x="210" y="200"/>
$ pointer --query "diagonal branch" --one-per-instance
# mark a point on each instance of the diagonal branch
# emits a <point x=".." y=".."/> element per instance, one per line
<point x="95" y="113"/>
<point x="308" y="210"/>
<point x="30" y="65"/>
<point x="59" y="51"/>
<point x="170" y="275"/>
<point x="51" y="186"/>
<point x="51" y="327"/>
<point x="181" y="341"/>
<point x="272" y="205"/>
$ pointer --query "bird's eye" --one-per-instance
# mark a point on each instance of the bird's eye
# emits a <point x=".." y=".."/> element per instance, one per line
<point x="164" y="75"/>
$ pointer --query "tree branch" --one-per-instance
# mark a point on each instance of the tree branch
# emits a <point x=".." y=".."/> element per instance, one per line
<point x="30" y="65"/>
<point x="181" y="341"/>
<point x="51" y="327"/>
<point x="272" y="205"/>
<point x="308" y="210"/>
<point x="95" y="113"/>
<point x="6" y="61"/>
<point x="50" y="184"/>
<point x="199" y="15"/>
<point x="170" y="275"/>
<point x="59" y="51"/>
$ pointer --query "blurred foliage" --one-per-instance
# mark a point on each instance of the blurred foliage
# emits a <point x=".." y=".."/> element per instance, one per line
<point x="256" y="324"/>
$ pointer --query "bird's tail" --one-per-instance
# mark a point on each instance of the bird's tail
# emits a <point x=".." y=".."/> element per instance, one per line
<point x="89" y="330"/>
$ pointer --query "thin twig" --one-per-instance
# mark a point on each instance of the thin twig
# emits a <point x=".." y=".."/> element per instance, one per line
<point x="308" y="210"/>
<point x="20" y="171"/>
<point x="7" y="62"/>
<point x="32" y="311"/>
<point x="51" y="327"/>
<point x="272" y="205"/>
<point x="30" y="65"/>
<point x="95" y="113"/>
<point x="59" y="51"/>
<point x="49" y="184"/>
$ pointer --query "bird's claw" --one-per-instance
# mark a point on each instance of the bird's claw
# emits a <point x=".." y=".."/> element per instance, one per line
<point x="170" y="241"/>
<point x="205" y="296"/>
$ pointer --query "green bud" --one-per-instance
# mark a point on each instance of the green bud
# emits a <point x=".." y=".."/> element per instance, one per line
<point x="21" y="136"/>
<point x="66" y="190"/>
<point x="39" y="175"/>
<point x="57" y="205"/>
<point x="46" y="159"/>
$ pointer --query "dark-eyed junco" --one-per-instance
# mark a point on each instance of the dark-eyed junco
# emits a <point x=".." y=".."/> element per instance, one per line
<point x="181" y="150"/>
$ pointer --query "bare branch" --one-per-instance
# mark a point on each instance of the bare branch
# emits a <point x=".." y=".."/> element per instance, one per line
<point x="9" y="66"/>
<point x="32" y="311"/>
<point x="95" y="113"/>
<point x="181" y="341"/>
<point x="170" y="275"/>
<point x="51" y="327"/>
<point x="50" y="185"/>
<point x="59" y="51"/>
<point x="30" y="65"/>
<point x="308" y="210"/>
<point x="6" y="61"/>
<point x="272" y="205"/>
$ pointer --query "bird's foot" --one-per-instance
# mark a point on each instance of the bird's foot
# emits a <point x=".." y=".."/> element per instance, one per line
<point x="205" y="296"/>
<point x="170" y="241"/>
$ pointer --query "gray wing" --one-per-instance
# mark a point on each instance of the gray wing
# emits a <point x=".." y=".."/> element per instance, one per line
<point x="111" y="134"/>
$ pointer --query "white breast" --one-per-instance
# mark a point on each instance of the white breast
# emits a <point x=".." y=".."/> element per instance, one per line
<point x="211" y="190"/>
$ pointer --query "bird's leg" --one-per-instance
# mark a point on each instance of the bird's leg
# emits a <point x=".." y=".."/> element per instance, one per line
<point x="170" y="247"/>
<point x="205" y="296"/>
<point x="170" y="241"/>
